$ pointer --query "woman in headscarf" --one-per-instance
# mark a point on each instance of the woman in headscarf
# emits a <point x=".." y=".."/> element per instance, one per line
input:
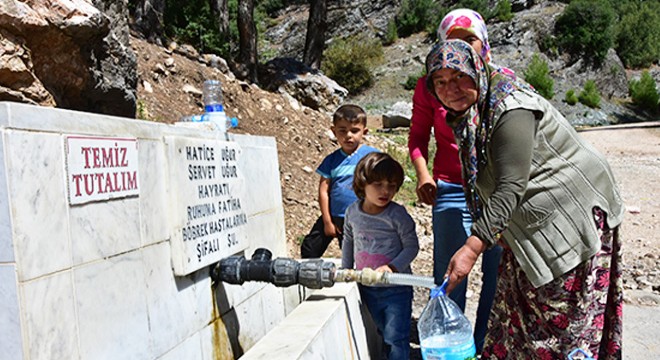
<point x="442" y="189"/>
<point x="548" y="198"/>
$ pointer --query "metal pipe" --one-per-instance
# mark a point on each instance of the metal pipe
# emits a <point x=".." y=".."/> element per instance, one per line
<point x="281" y="272"/>
<point x="314" y="274"/>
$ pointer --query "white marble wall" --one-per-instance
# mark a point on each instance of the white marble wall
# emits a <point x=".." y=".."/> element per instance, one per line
<point x="11" y="341"/>
<point x="336" y="331"/>
<point x="95" y="281"/>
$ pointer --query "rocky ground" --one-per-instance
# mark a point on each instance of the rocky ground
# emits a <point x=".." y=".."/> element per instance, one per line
<point x="169" y="88"/>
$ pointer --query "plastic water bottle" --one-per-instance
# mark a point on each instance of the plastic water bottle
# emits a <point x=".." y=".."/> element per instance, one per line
<point x="192" y="118"/>
<point x="444" y="332"/>
<point x="213" y="110"/>
<point x="212" y="96"/>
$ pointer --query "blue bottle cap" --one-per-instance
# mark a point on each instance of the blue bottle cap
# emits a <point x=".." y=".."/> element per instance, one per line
<point x="440" y="290"/>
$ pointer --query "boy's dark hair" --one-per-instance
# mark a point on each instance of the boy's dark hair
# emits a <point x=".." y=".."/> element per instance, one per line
<point x="351" y="113"/>
<point x="376" y="166"/>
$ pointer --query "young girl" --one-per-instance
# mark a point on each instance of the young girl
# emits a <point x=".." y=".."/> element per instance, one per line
<point x="380" y="234"/>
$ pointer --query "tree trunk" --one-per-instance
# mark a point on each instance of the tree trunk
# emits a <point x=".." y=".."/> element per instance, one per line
<point x="315" y="39"/>
<point x="247" y="32"/>
<point x="221" y="13"/>
<point x="149" y="19"/>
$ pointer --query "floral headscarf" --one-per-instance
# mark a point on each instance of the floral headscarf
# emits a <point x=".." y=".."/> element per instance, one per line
<point x="473" y="127"/>
<point x="469" y="20"/>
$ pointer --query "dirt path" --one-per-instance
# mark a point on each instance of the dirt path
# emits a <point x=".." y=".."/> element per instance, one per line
<point x="634" y="155"/>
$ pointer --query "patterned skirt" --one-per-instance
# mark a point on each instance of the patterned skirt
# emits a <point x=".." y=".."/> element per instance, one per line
<point x="581" y="309"/>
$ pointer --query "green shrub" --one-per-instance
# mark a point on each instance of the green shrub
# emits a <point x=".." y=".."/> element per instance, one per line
<point x="415" y="16"/>
<point x="480" y="6"/>
<point x="548" y="45"/>
<point x="644" y="92"/>
<point x="408" y="192"/>
<point x="586" y="28"/>
<point x="571" y="98"/>
<point x="503" y="10"/>
<point x="614" y="70"/>
<point x="411" y="81"/>
<point x="348" y="62"/>
<point x="590" y="96"/>
<point x="141" y="112"/>
<point x="432" y="26"/>
<point x="638" y="41"/>
<point x="191" y="22"/>
<point x="537" y="74"/>
<point x="271" y="7"/>
<point x="390" y="34"/>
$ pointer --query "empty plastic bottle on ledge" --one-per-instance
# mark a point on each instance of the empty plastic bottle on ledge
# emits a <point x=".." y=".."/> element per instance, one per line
<point x="444" y="332"/>
<point x="192" y="118"/>
<point x="213" y="110"/>
<point x="212" y="96"/>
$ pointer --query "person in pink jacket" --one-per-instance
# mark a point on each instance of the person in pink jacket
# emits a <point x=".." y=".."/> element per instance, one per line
<point x="443" y="188"/>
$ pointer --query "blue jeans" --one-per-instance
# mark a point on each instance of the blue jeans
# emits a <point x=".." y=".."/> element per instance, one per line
<point x="451" y="226"/>
<point x="391" y="310"/>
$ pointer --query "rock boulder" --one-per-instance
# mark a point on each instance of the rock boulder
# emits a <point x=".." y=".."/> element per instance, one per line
<point x="69" y="54"/>
<point x="309" y="87"/>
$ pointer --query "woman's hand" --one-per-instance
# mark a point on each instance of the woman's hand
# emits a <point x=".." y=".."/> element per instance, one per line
<point x="426" y="189"/>
<point x="463" y="261"/>
<point x="426" y="186"/>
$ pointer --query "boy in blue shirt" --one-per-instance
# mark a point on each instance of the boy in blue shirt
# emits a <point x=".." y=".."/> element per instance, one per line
<point x="349" y="124"/>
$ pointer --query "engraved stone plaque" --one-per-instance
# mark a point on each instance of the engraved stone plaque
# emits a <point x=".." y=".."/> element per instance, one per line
<point x="208" y="187"/>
